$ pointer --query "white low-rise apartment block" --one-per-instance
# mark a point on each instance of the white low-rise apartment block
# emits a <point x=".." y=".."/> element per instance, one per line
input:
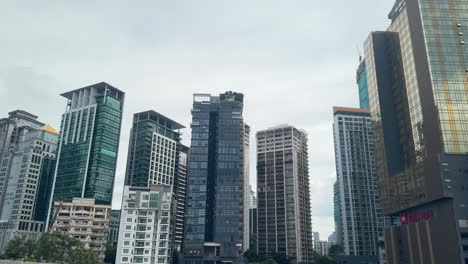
<point x="145" y="228"/>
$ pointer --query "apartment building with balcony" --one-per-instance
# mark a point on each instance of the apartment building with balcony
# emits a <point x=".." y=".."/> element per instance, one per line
<point x="84" y="220"/>
<point x="145" y="225"/>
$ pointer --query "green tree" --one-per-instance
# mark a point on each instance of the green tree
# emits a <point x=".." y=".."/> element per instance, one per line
<point x="15" y="249"/>
<point x="324" y="260"/>
<point x="53" y="247"/>
<point x="111" y="253"/>
<point x="80" y="255"/>
<point x="281" y="258"/>
<point x="335" y="250"/>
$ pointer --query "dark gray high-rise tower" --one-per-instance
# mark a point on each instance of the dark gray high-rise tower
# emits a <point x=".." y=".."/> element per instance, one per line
<point x="216" y="220"/>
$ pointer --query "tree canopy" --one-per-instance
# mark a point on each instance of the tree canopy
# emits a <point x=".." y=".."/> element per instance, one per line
<point x="56" y="248"/>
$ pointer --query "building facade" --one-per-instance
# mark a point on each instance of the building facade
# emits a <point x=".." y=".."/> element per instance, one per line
<point x="12" y="131"/>
<point x="216" y="218"/>
<point x="332" y="237"/>
<point x="323" y="247"/>
<point x="253" y="219"/>
<point x="417" y="79"/>
<point x="145" y="227"/>
<point x="88" y="144"/>
<point x="84" y="220"/>
<point x="27" y="164"/>
<point x="153" y="150"/>
<point x="284" y="213"/>
<point x="361" y="80"/>
<point x="180" y="195"/>
<point x="114" y="225"/>
<point x="156" y="157"/>
<point x="316" y="236"/>
<point x="359" y="218"/>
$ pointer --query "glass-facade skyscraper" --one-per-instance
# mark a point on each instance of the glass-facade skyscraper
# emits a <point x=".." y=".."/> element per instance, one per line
<point x="88" y="144"/>
<point x="417" y="74"/>
<point x="361" y="80"/>
<point x="216" y="219"/>
<point x="152" y="152"/>
<point x="157" y="158"/>
<point x="357" y="214"/>
<point x="284" y="213"/>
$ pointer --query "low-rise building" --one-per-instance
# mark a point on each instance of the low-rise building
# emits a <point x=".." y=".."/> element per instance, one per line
<point x="84" y="220"/>
<point x="322" y="247"/>
<point x="145" y="226"/>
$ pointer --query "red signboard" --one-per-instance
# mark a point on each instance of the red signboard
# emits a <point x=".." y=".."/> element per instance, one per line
<point x="407" y="218"/>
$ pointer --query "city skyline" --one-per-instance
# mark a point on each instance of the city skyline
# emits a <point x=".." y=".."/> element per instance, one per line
<point x="157" y="84"/>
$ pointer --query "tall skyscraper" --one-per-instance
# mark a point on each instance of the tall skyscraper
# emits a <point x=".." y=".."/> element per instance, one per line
<point x="216" y="219"/>
<point x="27" y="164"/>
<point x="180" y="195"/>
<point x="12" y="131"/>
<point x="152" y="152"/>
<point x="284" y="214"/>
<point x="361" y="79"/>
<point x="358" y="220"/>
<point x="157" y="158"/>
<point x="88" y="144"/>
<point x="418" y="81"/>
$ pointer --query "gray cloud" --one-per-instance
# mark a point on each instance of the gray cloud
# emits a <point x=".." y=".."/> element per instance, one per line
<point x="293" y="60"/>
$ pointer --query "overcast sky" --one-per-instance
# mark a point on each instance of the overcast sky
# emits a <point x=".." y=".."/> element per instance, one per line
<point x="293" y="60"/>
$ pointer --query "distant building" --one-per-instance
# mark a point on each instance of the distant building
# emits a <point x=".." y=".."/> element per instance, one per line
<point x="316" y="236"/>
<point x="217" y="214"/>
<point x="88" y="144"/>
<point x="253" y="221"/>
<point x="145" y="229"/>
<point x="84" y="220"/>
<point x="180" y="196"/>
<point x="358" y="217"/>
<point x="284" y="213"/>
<point x="361" y="79"/>
<point x="114" y="224"/>
<point x="253" y="218"/>
<point x="322" y="247"/>
<point x="27" y="162"/>
<point x="344" y="259"/>
<point x="252" y="199"/>
<point x="332" y="237"/>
